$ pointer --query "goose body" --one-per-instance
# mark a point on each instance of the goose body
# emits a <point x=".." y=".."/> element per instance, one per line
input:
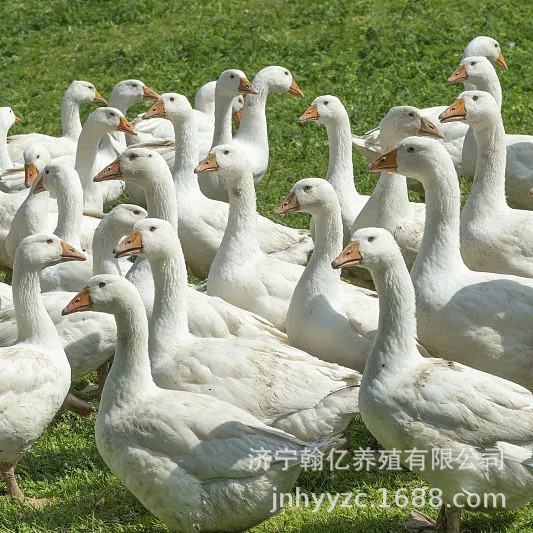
<point x="194" y="481"/>
<point x="411" y="402"/>
<point x="78" y="93"/>
<point x="476" y="318"/>
<point x="330" y="319"/>
<point x="241" y="272"/>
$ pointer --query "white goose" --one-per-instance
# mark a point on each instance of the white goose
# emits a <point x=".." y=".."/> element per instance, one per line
<point x="454" y="133"/>
<point x="7" y="119"/>
<point x="410" y="402"/>
<point x="494" y="237"/>
<point x="241" y="272"/>
<point x="477" y="318"/>
<point x="34" y="371"/>
<point x="88" y="341"/>
<point x="88" y="163"/>
<point x="280" y="385"/>
<point x="389" y="206"/>
<point x="78" y="93"/>
<point x="519" y="148"/>
<point x="196" y="448"/>
<point x="202" y="221"/>
<point x="208" y="316"/>
<point x="330" y="111"/>
<point x="330" y="319"/>
<point x="252" y="135"/>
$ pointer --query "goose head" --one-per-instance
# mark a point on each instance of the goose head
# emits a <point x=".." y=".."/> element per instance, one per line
<point x="106" y="293"/>
<point x="475" y="70"/>
<point x="172" y="106"/>
<point x="36" y="157"/>
<point x="233" y="82"/>
<point x="45" y="249"/>
<point x="372" y="248"/>
<point x="133" y="91"/>
<point x="486" y="47"/>
<point x="310" y="195"/>
<point x="237" y="107"/>
<point x="7" y="119"/>
<point x="326" y="109"/>
<point x="405" y="121"/>
<point x="123" y="217"/>
<point x="151" y="237"/>
<point x="109" y="119"/>
<point x="477" y="108"/>
<point x="416" y="157"/>
<point x="57" y="177"/>
<point x="278" y="80"/>
<point x="84" y="92"/>
<point x="140" y="166"/>
<point x="229" y="161"/>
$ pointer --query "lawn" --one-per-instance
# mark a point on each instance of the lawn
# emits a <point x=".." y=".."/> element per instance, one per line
<point x="371" y="54"/>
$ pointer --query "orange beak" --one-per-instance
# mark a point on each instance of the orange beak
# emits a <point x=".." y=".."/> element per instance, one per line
<point x="149" y="94"/>
<point x="156" y="111"/>
<point x="30" y="173"/>
<point x="350" y="256"/>
<point x="111" y="172"/>
<point x="386" y="163"/>
<point x="459" y="75"/>
<point x="295" y="90"/>
<point x="237" y="117"/>
<point x="69" y="253"/>
<point x="131" y="245"/>
<point x="500" y="61"/>
<point x="209" y="164"/>
<point x="17" y="118"/>
<point x="289" y="205"/>
<point x="455" y="113"/>
<point x="39" y="186"/>
<point x="245" y="87"/>
<point x="427" y="128"/>
<point x="311" y="113"/>
<point x="126" y="126"/>
<point x="80" y="302"/>
<point x="98" y="98"/>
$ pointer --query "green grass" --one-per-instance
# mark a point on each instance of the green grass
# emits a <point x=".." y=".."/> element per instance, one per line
<point x="371" y="54"/>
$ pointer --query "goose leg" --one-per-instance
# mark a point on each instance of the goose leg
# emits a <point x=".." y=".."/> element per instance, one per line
<point x="8" y="473"/>
<point x="102" y="372"/>
<point x="74" y="404"/>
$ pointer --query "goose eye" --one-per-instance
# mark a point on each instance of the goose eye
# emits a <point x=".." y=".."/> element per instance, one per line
<point x="101" y="284"/>
<point x="136" y="212"/>
<point x="411" y="114"/>
<point x="475" y="98"/>
<point x="149" y="155"/>
<point x="232" y="76"/>
<point x="135" y="85"/>
<point x="473" y="63"/>
<point x="111" y="114"/>
<point x="307" y="188"/>
<point x="370" y="239"/>
<point x="326" y="102"/>
<point x="496" y="45"/>
<point x="171" y="98"/>
<point x="410" y="149"/>
<point x="38" y="157"/>
<point x="226" y="152"/>
<point x="47" y="172"/>
<point x="49" y="241"/>
<point x="286" y="73"/>
<point x="152" y="228"/>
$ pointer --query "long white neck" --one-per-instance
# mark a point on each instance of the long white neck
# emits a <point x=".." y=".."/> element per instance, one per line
<point x="239" y="242"/>
<point x="253" y="126"/>
<point x="33" y="322"/>
<point x="395" y="342"/>
<point x="440" y="248"/>
<point x="122" y="103"/>
<point x="185" y="158"/>
<point x="5" y="159"/>
<point x="87" y="164"/>
<point x="223" y="116"/>
<point x="105" y="239"/>
<point x="130" y="374"/>
<point x="328" y="243"/>
<point x="487" y="195"/>
<point x="169" y="323"/>
<point x="340" y="168"/>
<point x="70" y="117"/>
<point x="161" y="198"/>
<point x="490" y="84"/>
<point x="69" y="211"/>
